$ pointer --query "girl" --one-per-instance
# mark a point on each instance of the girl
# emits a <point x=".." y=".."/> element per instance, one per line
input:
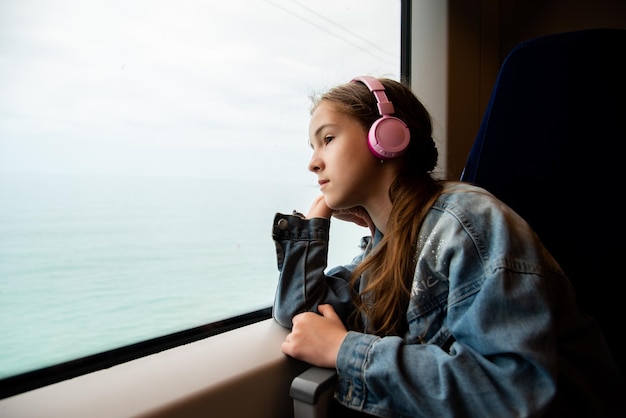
<point x="454" y="308"/>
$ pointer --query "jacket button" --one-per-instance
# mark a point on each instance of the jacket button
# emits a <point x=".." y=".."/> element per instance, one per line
<point x="283" y="224"/>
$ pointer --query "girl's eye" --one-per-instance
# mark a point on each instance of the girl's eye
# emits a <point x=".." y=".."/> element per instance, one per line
<point x="328" y="139"/>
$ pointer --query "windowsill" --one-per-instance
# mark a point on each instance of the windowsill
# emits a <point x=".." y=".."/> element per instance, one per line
<point x="240" y="373"/>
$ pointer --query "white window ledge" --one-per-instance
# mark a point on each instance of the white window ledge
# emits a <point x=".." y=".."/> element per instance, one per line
<point x="240" y="373"/>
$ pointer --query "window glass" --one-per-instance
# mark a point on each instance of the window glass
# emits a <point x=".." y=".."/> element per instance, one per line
<point x="144" y="149"/>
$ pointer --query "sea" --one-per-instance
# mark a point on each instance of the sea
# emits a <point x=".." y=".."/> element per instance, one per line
<point x="90" y="263"/>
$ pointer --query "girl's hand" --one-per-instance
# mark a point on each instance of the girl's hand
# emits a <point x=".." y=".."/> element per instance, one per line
<point x="357" y="215"/>
<point x="316" y="338"/>
<point x="319" y="209"/>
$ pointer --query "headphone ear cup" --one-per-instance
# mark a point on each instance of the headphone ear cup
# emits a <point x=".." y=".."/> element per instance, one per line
<point x="388" y="137"/>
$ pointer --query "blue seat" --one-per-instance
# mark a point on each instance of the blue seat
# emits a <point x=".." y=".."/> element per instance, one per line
<point x="549" y="146"/>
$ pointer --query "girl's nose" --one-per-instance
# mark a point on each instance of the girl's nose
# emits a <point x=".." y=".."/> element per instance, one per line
<point x="315" y="164"/>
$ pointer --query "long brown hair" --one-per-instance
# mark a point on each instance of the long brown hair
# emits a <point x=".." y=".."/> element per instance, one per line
<point x="390" y="267"/>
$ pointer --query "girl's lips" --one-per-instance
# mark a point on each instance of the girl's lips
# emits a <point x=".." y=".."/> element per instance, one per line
<point x="322" y="183"/>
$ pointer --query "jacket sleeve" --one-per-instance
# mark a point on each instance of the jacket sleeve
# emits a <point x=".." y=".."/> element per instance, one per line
<point x="302" y="253"/>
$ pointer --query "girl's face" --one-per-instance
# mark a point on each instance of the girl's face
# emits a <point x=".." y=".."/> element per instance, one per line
<point x="345" y="167"/>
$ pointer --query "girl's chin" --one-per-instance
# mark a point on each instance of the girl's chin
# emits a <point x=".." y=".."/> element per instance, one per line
<point x="334" y="205"/>
<point x="336" y="202"/>
<point x="330" y="202"/>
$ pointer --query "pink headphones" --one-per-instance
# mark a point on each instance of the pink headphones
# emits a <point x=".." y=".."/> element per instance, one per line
<point x="388" y="137"/>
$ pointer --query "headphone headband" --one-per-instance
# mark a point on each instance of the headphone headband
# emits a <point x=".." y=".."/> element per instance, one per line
<point x="385" y="107"/>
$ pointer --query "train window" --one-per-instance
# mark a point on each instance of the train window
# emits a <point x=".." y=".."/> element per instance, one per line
<point x="144" y="149"/>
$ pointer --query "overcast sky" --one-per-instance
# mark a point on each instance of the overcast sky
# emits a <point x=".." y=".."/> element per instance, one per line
<point x="178" y="88"/>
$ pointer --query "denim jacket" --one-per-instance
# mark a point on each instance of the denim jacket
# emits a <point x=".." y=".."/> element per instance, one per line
<point x="493" y="330"/>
